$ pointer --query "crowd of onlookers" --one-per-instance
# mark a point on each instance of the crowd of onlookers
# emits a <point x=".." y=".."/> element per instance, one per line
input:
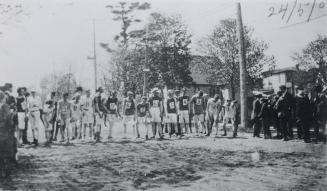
<point x="284" y="111"/>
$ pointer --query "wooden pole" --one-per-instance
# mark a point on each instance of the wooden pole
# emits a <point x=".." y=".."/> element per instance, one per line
<point x="243" y="73"/>
<point x="95" y="59"/>
<point x="146" y="61"/>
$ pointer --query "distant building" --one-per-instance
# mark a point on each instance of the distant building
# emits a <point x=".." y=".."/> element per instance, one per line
<point x="275" y="78"/>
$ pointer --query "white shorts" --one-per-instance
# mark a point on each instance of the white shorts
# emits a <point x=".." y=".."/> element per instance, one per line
<point x="184" y="116"/>
<point x="88" y="117"/>
<point x="35" y="119"/>
<point x="212" y="115"/>
<point x="76" y="123"/>
<point x="99" y="119"/>
<point x="171" y="118"/>
<point x="21" y="120"/>
<point x="112" y="117"/>
<point x="143" y="120"/>
<point x="128" y="119"/>
<point x="198" y="118"/>
<point x="228" y="118"/>
<point x="155" y="115"/>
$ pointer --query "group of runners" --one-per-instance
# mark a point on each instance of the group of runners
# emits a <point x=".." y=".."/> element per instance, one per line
<point x="86" y="117"/>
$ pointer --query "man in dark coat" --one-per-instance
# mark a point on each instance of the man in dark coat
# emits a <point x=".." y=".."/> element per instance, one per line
<point x="282" y="109"/>
<point x="264" y="116"/>
<point x="319" y="112"/>
<point x="255" y="116"/>
<point x="290" y="104"/>
<point x="303" y="115"/>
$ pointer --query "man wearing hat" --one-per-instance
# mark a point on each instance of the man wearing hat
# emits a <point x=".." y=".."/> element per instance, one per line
<point x="129" y="111"/>
<point x="256" y="107"/>
<point x="156" y="110"/>
<point x="64" y="116"/>
<point x="290" y="104"/>
<point x="303" y="114"/>
<point x="264" y="116"/>
<point x="21" y="113"/>
<point x="320" y="112"/>
<point x="143" y="116"/>
<point x="35" y="104"/>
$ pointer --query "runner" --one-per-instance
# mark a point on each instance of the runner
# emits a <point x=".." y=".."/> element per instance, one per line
<point x="198" y="108"/>
<point x="48" y="113"/>
<point x="99" y="112"/>
<point x="21" y="114"/>
<point x="76" y="118"/>
<point x="63" y="117"/>
<point x="129" y="112"/>
<point x="88" y="114"/>
<point x="228" y="115"/>
<point x="156" y="109"/>
<point x="212" y="113"/>
<point x="34" y="103"/>
<point x="183" y="110"/>
<point x="143" y="116"/>
<point x="113" y="112"/>
<point x="171" y="113"/>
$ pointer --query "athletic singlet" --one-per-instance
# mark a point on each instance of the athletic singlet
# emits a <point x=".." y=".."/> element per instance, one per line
<point x="142" y="109"/>
<point x="171" y="105"/>
<point x="198" y="105"/>
<point x="76" y="110"/>
<point x="87" y="104"/>
<point x="112" y="105"/>
<point x="155" y="101"/>
<point x="183" y="103"/>
<point x="65" y="109"/>
<point x="129" y="107"/>
<point x="21" y="104"/>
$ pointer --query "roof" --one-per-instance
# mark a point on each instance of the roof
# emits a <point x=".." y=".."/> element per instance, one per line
<point x="200" y="78"/>
<point x="278" y="71"/>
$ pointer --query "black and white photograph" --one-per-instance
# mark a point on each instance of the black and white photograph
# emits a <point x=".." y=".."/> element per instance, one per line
<point x="158" y="95"/>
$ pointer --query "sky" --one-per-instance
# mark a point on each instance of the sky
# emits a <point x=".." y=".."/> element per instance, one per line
<point x="50" y="36"/>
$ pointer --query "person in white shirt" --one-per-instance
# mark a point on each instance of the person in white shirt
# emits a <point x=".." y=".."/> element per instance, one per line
<point x="88" y="114"/>
<point x="228" y="115"/>
<point x="212" y="113"/>
<point x="34" y="105"/>
<point x="76" y="118"/>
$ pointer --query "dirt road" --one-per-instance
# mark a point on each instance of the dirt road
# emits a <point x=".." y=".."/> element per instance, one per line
<point x="204" y="163"/>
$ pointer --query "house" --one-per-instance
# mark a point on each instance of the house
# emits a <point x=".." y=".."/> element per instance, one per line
<point x="273" y="79"/>
<point x="200" y="80"/>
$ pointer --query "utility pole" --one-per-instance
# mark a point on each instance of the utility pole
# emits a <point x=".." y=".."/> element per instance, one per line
<point x="145" y="69"/>
<point x="69" y="76"/>
<point x="243" y="73"/>
<point x="95" y="58"/>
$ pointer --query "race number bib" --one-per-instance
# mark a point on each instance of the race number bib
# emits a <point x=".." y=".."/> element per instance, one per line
<point x="172" y="105"/>
<point x="23" y="105"/>
<point x="184" y="102"/>
<point x="128" y="105"/>
<point x="113" y="106"/>
<point x="142" y="109"/>
<point x="155" y="103"/>
<point x="198" y="101"/>
<point x="87" y="104"/>
<point x="64" y="108"/>
<point x="75" y="107"/>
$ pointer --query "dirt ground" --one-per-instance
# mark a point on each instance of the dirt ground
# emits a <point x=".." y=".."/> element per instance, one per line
<point x="192" y="163"/>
